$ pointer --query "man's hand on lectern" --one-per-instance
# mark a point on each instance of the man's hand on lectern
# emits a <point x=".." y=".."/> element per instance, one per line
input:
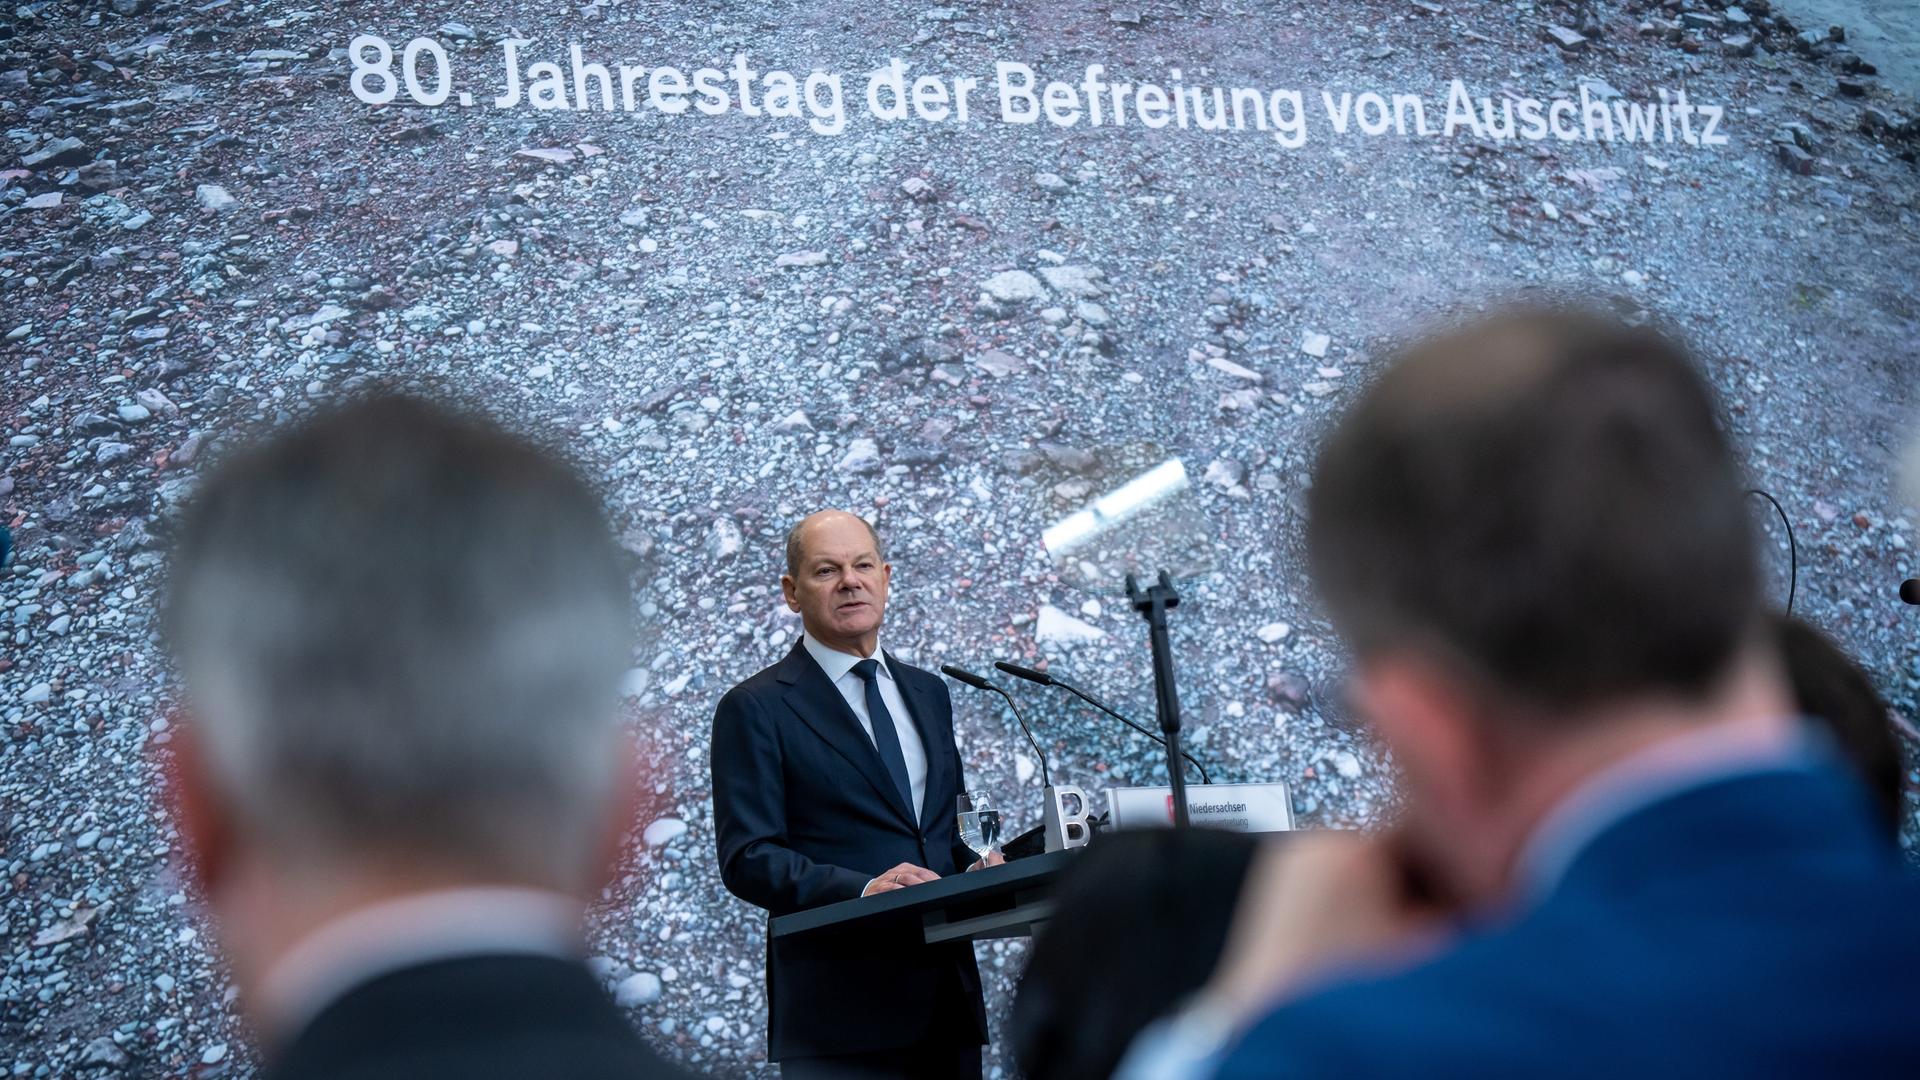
<point x="899" y="878"/>
<point x="994" y="858"/>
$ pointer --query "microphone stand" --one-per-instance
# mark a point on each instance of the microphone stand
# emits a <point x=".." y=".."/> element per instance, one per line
<point x="969" y="678"/>
<point x="1046" y="774"/>
<point x="1153" y="603"/>
<point x="1060" y="826"/>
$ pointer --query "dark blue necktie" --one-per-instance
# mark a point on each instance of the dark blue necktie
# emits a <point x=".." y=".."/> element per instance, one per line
<point x="885" y="738"/>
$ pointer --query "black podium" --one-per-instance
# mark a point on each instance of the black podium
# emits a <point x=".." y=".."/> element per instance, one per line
<point x="992" y="902"/>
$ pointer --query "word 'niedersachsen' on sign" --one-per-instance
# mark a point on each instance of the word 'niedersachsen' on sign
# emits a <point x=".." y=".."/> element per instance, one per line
<point x="1017" y="94"/>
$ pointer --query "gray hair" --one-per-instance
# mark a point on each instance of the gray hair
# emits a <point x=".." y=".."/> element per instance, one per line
<point x="794" y="547"/>
<point x="403" y="632"/>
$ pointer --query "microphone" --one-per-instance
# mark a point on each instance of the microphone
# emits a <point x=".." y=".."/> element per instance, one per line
<point x="1030" y="674"/>
<point x="978" y="683"/>
<point x="1910" y="590"/>
<point x="1044" y="679"/>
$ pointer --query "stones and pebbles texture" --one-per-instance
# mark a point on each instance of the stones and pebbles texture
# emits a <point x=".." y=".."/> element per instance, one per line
<point x="963" y="332"/>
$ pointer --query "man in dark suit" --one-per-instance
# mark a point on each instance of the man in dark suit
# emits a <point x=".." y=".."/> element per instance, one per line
<point x="835" y="776"/>
<point x="400" y="777"/>
<point x="1623" y="854"/>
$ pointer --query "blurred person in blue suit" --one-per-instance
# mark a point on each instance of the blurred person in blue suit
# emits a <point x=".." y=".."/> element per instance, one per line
<point x="1623" y="853"/>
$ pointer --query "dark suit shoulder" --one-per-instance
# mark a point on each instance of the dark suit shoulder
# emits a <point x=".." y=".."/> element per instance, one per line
<point x="757" y="691"/>
<point x="766" y="680"/>
<point x="472" y="1017"/>
<point x="777" y="677"/>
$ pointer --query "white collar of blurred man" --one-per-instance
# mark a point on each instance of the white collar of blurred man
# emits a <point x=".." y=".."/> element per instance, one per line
<point x="299" y="931"/>
<point x="416" y="928"/>
<point x="838" y="579"/>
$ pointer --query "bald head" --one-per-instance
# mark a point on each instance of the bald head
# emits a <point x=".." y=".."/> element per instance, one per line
<point x="1549" y="495"/>
<point x="797" y="536"/>
<point x="837" y="579"/>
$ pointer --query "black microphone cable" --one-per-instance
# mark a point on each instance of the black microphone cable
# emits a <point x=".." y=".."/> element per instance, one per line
<point x="1793" y="549"/>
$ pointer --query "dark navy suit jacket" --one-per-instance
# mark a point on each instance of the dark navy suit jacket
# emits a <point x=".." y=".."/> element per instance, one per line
<point x="1758" y="925"/>
<point x="471" y="1018"/>
<point x="806" y="815"/>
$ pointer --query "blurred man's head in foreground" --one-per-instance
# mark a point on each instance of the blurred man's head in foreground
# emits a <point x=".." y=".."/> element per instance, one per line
<point x="401" y="632"/>
<point x="1531" y="531"/>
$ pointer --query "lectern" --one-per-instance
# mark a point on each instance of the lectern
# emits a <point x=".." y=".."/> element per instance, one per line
<point x="992" y="902"/>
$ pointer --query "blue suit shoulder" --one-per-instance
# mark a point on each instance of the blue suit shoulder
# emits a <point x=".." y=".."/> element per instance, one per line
<point x="1760" y="926"/>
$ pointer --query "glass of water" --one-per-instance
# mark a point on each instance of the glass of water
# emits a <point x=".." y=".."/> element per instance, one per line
<point x="979" y="823"/>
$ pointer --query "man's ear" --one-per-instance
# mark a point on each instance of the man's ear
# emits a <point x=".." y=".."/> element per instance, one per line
<point x="789" y="589"/>
<point x="192" y="801"/>
<point x="627" y="805"/>
<point x="1432" y="724"/>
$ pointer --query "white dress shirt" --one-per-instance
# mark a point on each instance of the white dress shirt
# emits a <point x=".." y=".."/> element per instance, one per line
<point x="839" y="668"/>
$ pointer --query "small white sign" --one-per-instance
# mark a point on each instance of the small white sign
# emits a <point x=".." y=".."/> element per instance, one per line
<point x="1250" y="808"/>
